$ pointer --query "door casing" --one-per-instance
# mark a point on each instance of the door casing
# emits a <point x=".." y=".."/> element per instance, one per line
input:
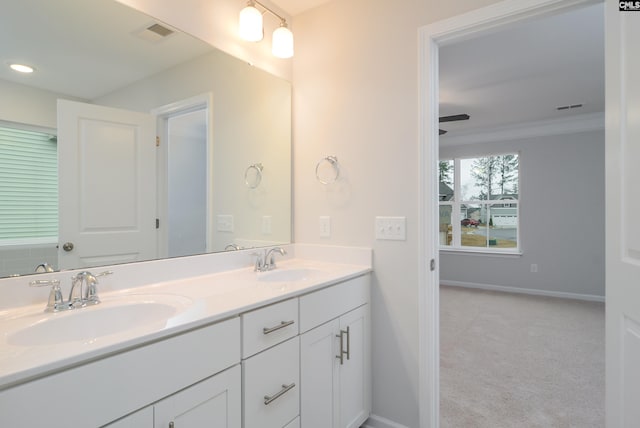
<point x="431" y="37"/>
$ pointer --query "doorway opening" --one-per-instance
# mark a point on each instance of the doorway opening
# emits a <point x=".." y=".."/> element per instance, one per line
<point x="432" y="38"/>
<point x="185" y="165"/>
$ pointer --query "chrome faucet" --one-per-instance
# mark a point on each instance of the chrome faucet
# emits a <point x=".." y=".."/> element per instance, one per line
<point x="267" y="261"/>
<point x="55" y="303"/>
<point x="79" y="295"/>
<point x="44" y="267"/>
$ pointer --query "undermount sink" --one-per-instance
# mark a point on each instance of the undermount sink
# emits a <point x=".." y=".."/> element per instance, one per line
<point x="283" y="275"/>
<point x="88" y="324"/>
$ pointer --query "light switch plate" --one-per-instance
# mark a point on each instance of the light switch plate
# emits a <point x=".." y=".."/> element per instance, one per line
<point x="325" y="227"/>
<point x="225" y="223"/>
<point x="391" y="228"/>
<point x="266" y="225"/>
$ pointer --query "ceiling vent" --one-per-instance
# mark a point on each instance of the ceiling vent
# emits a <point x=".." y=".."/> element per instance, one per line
<point x="154" y="33"/>
<point x="569" y="107"/>
<point x="160" y="30"/>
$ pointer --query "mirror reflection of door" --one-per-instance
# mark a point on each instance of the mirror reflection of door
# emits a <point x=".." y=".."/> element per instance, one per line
<point x="187" y="183"/>
<point x="107" y="185"/>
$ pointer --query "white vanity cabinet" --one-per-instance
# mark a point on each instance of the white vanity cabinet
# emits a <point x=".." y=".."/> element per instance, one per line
<point x="307" y="360"/>
<point x="335" y="356"/>
<point x="214" y="402"/>
<point x="140" y="419"/>
<point x="271" y="365"/>
<point x="271" y="388"/>
<point x="104" y="390"/>
<point x="302" y="362"/>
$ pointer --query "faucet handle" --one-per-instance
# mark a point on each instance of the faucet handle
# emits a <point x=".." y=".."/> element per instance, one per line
<point x="105" y="273"/>
<point x="272" y="260"/>
<point x="44" y="283"/>
<point x="259" y="261"/>
<point x="56" y="301"/>
<point x="91" y="297"/>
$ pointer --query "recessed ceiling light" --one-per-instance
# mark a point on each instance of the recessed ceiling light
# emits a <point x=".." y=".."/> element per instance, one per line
<point x="21" y="68"/>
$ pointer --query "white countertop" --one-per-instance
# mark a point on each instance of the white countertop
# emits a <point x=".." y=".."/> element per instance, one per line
<point x="202" y="300"/>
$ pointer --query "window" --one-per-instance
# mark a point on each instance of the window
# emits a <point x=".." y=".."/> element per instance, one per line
<point x="29" y="187"/>
<point x="479" y="200"/>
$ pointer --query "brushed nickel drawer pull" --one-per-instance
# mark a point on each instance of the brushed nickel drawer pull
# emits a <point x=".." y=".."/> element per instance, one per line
<point x="282" y="324"/>
<point x="348" y="344"/>
<point x="340" y="356"/>
<point x="285" y="388"/>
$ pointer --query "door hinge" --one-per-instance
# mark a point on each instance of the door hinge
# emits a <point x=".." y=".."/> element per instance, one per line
<point x="157" y="223"/>
<point x="157" y="141"/>
<point x="432" y="265"/>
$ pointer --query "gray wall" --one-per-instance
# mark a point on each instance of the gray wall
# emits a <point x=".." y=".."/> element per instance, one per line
<point x="561" y="218"/>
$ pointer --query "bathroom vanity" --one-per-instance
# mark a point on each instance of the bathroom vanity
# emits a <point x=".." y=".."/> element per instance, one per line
<point x="288" y="348"/>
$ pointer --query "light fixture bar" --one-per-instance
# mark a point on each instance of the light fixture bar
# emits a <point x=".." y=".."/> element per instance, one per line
<point x="251" y="29"/>
<point x="271" y="11"/>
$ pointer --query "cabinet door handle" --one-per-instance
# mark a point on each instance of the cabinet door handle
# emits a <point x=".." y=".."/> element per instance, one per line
<point x="348" y="333"/>
<point x="342" y="353"/>
<point x="171" y="425"/>
<point x="282" y="324"/>
<point x="285" y="388"/>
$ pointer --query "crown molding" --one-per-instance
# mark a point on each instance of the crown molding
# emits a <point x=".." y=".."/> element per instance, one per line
<point x="571" y="125"/>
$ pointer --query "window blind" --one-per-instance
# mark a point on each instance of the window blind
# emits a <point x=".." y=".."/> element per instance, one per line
<point x="28" y="186"/>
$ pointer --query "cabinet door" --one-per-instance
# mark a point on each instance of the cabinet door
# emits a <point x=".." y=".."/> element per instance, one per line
<point x="354" y="380"/>
<point x="140" y="419"/>
<point x="294" y="423"/>
<point x="214" y="402"/>
<point x="318" y="375"/>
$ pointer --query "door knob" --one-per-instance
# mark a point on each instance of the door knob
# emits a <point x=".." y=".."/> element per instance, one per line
<point x="67" y="246"/>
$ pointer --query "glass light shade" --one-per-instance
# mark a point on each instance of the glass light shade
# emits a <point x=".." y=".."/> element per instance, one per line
<point x="250" y="27"/>
<point x="282" y="42"/>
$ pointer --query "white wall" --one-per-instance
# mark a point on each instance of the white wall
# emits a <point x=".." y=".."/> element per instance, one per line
<point x="356" y="97"/>
<point x="22" y="259"/>
<point x="561" y="218"/>
<point x="30" y="106"/>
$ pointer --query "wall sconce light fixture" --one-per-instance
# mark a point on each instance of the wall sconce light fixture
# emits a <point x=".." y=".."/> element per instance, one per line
<point x="251" y="29"/>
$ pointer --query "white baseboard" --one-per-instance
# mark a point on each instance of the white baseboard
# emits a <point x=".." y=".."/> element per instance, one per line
<point x="380" y="422"/>
<point x="536" y="292"/>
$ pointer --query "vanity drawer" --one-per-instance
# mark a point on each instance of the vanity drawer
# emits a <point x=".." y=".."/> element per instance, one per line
<point x="271" y="390"/>
<point x="268" y="326"/>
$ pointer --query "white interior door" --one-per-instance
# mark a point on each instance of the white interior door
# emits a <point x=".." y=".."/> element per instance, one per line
<point x="107" y="190"/>
<point x="623" y="207"/>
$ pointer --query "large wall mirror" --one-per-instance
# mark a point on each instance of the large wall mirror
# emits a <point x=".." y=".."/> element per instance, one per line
<point x="82" y="189"/>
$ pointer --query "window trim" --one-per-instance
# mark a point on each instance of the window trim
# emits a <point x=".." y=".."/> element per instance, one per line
<point x="456" y="218"/>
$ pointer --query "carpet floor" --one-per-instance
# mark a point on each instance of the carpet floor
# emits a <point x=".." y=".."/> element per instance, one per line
<point x="520" y="361"/>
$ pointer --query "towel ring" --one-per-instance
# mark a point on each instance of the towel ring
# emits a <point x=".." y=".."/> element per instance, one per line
<point x="333" y="161"/>
<point x="253" y="182"/>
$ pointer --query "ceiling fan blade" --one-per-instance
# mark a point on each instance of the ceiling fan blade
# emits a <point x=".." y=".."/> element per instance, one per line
<point x="442" y="132"/>
<point x="454" y="118"/>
